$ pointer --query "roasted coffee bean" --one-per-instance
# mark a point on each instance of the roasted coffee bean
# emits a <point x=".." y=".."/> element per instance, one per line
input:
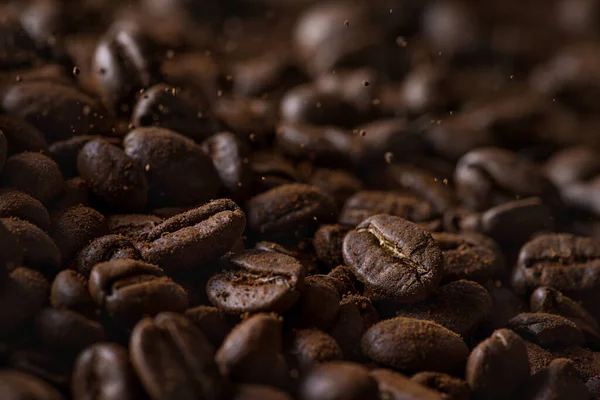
<point x="39" y="250"/>
<point x="164" y="154"/>
<point x="289" y="210"/>
<point x="17" y="204"/>
<point x="487" y="177"/>
<point x="76" y="228"/>
<point x="264" y="281"/>
<point x="366" y="204"/>
<point x="65" y="152"/>
<point x="412" y="345"/>
<point x="113" y="176"/>
<point x="252" y="353"/>
<point x="559" y="380"/>
<point x="451" y="388"/>
<point x="349" y="85"/>
<point x="344" y="280"/>
<point x="338" y="183"/>
<point x="174" y="360"/>
<point x="505" y="305"/>
<point x="70" y="291"/>
<point x="124" y="63"/>
<point x="128" y="290"/>
<point x="104" y="370"/>
<point x="549" y="300"/>
<point x="328" y="244"/>
<point x="395" y="386"/>
<point x="230" y="157"/>
<point x="246" y="116"/>
<point x="356" y="315"/>
<point x="538" y="357"/>
<point x="571" y="166"/>
<point x="13" y="253"/>
<point x="469" y="256"/>
<point x="338" y="380"/>
<point x="319" y="303"/>
<point x="102" y="249"/>
<point x="189" y="240"/>
<point x="593" y="387"/>
<point x="76" y="193"/>
<point x="459" y="306"/>
<point x="306" y="104"/>
<point x="34" y="174"/>
<point x="254" y="392"/>
<point x="547" y="330"/>
<point x="196" y="70"/>
<point x="132" y="226"/>
<point x="44" y="365"/>
<point x="497" y="366"/>
<point x="17" y="47"/>
<point x="311" y="346"/>
<point x="19" y="385"/>
<point x="271" y="170"/>
<point x="21" y="136"/>
<point x="59" y="111"/>
<point x="66" y="331"/>
<point x="394" y="258"/>
<point x="585" y="360"/>
<point x="211" y="321"/>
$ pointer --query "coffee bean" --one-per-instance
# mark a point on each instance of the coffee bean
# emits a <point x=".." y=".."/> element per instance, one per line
<point x="338" y="183"/>
<point x="34" y="174"/>
<point x="559" y="380"/>
<point x="132" y="226"/>
<point x="311" y="346"/>
<point x="246" y="116"/>
<point x="189" y="240"/>
<point x="497" y="366"/>
<point x="113" y="176"/>
<point x="18" y="385"/>
<point x="395" y="386"/>
<point x="17" y="204"/>
<point x="571" y="166"/>
<point x="252" y="353"/>
<point x="356" y="315"/>
<point x="21" y="136"/>
<point x="17" y="47"/>
<point x="547" y="330"/>
<point x="211" y="321"/>
<point x="102" y="249"/>
<point x="174" y="360"/>
<point x="289" y="210"/>
<point x="70" y="292"/>
<point x="44" y="365"/>
<point x="319" y="303"/>
<point x="164" y="154"/>
<point x="265" y="281"/>
<point x="505" y="305"/>
<point x="13" y="254"/>
<point x="394" y="258"/>
<point x="357" y="86"/>
<point x="344" y="280"/>
<point x="306" y="104"/>
<point x="66" y="332"/>
<point x="459" y="306"/>
<point x="65" y="152"/>
<point x="451" y="388"/>
<point x="328" y="244"/>
<point x="412" y="345"/>
<point x="230" y="158"/>
<point x="3" y="150"/>
<point x="586" y="361"/>
<point x="266" y="73"/>
<point x="39" y="250"/>
<point x="128" y="290"/>
<point x="104" y="370"/>
<point x="338" y="380"/>
<point x="593" y="387"/>
<point x="77" y="192"/>
<point x="253" y="392"/>
<point x="538" y="357"/>
<point x="75" y="228"/>
<point x="469" y="256"/>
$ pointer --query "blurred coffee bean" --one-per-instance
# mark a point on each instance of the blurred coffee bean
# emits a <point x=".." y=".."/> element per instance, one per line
<point x="338" y="380"/>
<point x="76" y="228"/>
<point x="70" y="292"/>
<point x="21" y="136"/>
<point x="451" y="388"/>
<point x="19" y="385"/>
<point x="39" y="250"/>
<point x="211" y="321"/>
<point x="309" y="347"/>
<point x="17" y="204"/>
<point x="559" y="380"/>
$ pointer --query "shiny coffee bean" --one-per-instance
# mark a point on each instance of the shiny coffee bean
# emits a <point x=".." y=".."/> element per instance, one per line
<point x="547" y="330"/>
<point x="338" y="380"/>
<point x="65" y="152"/>
<point x="70" y="292"/>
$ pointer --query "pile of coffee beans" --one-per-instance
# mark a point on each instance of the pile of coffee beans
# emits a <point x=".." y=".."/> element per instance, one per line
<point x="299" y="199"/>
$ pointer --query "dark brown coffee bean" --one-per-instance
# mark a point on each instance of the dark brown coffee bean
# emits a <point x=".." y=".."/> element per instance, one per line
<point x="306" y="104"/>
<point x="487" y="177"/>
<point x="549" y="300"/>
<point x="395" y="258"/>
<point x="17" y="204"/>
<point x="270" y="170"/>
<point x="252" y="353"/>
<point x="230" y="157"/>
<point x="338" y="380"/>
<point x="113" y="176"/>
<point x="497" y="366"/>
<point x="174" y="360"/>
<point x="164" y="154"/>
<point x="65" y="152"/>
<point x="505" y="305"/>
<point x="265" y="281"/>
<point x="104" y="371"/>
<point x="77" y="192"/>
<point x="195" y="70"/>
<point x="338" y="183"/>
<point x="38" y="249"/>
<point x="246" y="116"/>
<point x="34" y="174"/>
<point x="124" y="63"/>
<point x="459" y="306"/>
<point x="319" y="303"/>
<point x="128" y="290"/>
<point x="59" y="111"/>
<point x="289" y="209"/>
<point x="76" y="228"/>
<point x="17" y="47"/>
<point x="12" y="256"/>
<point x="593" y="387"/>
<point x="349" y="85"/>
<point x="211" y="321"/>
<point x="70" y="291"/>
<point x="586" y="361"/>
<point x="65" y="331"/>
<point x="538" y="357"/>
<point x="189" y="240"/>
<point x="249" y="391"/>
<point x="451" y="388"/>
<point x="311" y="346"/>
<point x="559" y="380"/>
<point x="356" y="315"/>
<point x="328" y="244"/>
<point x="43" y="365"/>
<point x="19" y="385"/>
<point x="344" y="280"/>
<point x="572" y="165"/>
<point x="21" y="136"/>
<point x="410" y="344"/>
<point x="105" y="248"/>
<point x="547" y="330"/>
<point x="395" y="386"/>
<point x="469" y="256"/>
<point x="132" y="226"/>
